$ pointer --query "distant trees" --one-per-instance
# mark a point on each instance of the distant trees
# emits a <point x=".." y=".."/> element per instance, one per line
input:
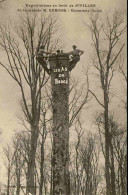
<point x="106" y="39"/>
<point x="20" y="44"/>
<point x="9" y="163"/>
<point x="84" y="163"/>
<point x="117" y="158"/>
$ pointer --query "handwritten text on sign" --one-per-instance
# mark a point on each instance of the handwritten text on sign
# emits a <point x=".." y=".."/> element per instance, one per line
<point x="61" y="77"/>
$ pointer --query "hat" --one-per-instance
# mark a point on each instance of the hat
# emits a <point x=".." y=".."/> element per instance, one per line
<point x="58" y="51"/>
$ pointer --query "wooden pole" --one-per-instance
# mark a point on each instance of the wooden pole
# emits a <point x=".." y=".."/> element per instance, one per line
<point x="60" y="96"/>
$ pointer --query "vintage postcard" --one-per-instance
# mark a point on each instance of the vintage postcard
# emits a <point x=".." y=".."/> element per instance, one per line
<point x="63" y="105"/>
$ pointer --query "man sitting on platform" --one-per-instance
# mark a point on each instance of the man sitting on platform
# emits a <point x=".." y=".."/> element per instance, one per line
<point x="74" y="57"/>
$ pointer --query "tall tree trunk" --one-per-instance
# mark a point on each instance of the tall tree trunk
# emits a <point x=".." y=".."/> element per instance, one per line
<point x="8" y="183"/>
<point x="51" y="183"/>
<point x="77" y="168"/>
<point x="107" y="144"/>
<point x="113" y="187"/>
<point x="18" y="182"/>
<point x="123" y="190"/>
<point x="35" y="180"/>
<point x="42" y="167"/>
<point x="60" y="91"/>
<point x="31" y="168"/>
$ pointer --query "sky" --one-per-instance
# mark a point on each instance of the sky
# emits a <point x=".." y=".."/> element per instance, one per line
<point x="73" y="32"/>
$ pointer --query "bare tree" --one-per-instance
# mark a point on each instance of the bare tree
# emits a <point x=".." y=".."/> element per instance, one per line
<point x="20" y="45"/>
<point x="117" y="158"/>
<point x="106" y="36"/>
<point x="19" y="161"/>
<point x="84" y="164"/>
<point x="79" y="98"/>
<point x="118" y="155"/>
<point x="44" y="130"/>
<point x="21" y="146"/>
<point x="9" y="163"/>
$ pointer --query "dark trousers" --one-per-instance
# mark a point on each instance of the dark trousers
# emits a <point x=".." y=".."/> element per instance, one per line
<point x="42" y="62"/>
<point x="73" y="62"/>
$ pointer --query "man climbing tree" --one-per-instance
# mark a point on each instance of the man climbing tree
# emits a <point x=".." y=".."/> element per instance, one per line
<point x="75" y="57"/>
<point x="42" y="57"/>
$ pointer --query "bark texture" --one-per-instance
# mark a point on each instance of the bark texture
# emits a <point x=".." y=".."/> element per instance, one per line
<point x="60" y="93"/>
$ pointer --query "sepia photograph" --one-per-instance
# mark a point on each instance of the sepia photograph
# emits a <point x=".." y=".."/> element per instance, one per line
<point x="63" y="97"/>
